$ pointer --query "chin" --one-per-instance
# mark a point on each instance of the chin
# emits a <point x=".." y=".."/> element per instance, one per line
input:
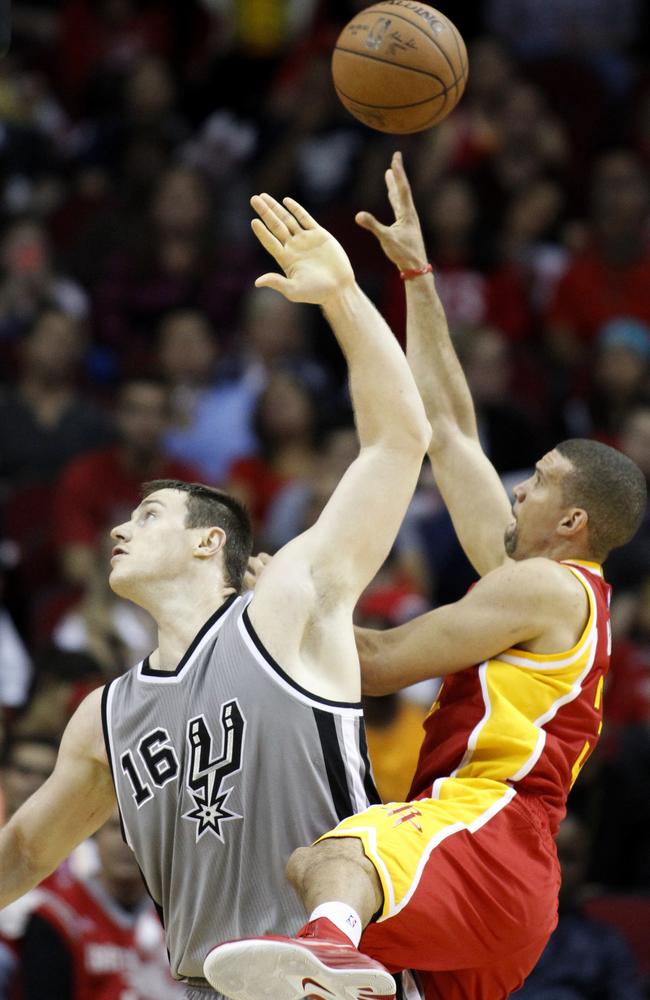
<point x="510" y="542"/>
<point x="121" y="585"/>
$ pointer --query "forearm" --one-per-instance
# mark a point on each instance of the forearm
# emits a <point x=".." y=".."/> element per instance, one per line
<point x="376" y="680"/>
<point x="435" y="366"/>
<point x="386" y="403"/>
<point x="20" y="871"/>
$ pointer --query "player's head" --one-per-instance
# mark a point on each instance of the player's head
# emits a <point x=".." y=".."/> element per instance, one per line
<point x="142" y="414"/>
<point x="177" y="532"/>
<point x="583" y="500"/>
<point x="28" y="760"/>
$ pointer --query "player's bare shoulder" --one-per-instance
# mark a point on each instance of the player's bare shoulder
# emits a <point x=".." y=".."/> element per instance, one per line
<point x="84" y="734"/>
<point x="556" y="598"/>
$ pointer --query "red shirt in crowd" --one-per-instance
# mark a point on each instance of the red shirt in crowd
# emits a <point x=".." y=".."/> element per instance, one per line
<point x="627" y="698"/>
<point x="96" y="492"/>
<point x="79" y="943"/>
<point x="593" y="292"/>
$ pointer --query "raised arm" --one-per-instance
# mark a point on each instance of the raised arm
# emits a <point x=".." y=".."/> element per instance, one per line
<point x="331" y="563"/>
<point x="535" y="604"/>
<point x="72" y="804"/>
<point x="467" y="480"/>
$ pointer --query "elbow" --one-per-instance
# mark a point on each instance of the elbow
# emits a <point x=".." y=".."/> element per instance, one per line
<point x="445" y="434"/>
<point x="418" y="425"/>
<point x="423" y="436"/>
<point x="413" y="434"/>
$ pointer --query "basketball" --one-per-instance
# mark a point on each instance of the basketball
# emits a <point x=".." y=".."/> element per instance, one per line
<point x="399" y="66"/>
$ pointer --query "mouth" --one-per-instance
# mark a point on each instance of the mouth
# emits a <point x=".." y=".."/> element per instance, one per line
<point x="117" y="551"/>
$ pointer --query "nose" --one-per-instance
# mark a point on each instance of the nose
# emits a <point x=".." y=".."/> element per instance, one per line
<point x="518" y="492"/>
<point x="119" y="533"/>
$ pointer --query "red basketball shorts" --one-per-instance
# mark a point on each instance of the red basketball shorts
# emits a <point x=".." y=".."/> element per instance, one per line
<point x="470" y="885"/>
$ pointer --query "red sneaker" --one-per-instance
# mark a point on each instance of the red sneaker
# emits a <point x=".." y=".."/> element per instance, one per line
<point x="320" y="963"/>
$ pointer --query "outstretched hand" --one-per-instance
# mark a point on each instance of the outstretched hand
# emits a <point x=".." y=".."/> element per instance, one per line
<point x="402" y="242"/>
<point x="315" y="264"/>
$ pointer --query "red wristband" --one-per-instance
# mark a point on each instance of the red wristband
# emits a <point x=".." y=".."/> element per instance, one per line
<point x="415" y="272"/>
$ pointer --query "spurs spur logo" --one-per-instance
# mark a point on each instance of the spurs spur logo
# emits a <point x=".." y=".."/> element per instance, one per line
<point x="206" y="773"/>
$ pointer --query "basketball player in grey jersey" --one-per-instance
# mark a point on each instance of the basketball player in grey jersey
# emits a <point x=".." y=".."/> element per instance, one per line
<point x="239" y="738"/>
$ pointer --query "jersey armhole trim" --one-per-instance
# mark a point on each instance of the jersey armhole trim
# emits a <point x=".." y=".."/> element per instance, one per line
<point x="106" y="729"/>
<point x="275" y="666"/>
<point x="561" y="660"/>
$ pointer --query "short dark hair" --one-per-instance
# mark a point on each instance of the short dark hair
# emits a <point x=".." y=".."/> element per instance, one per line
<point x="207" y="507"/>
<point x="610" y="487"/>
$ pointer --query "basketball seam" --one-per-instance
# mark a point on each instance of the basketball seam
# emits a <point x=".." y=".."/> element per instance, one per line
<point x="462" y="63"/>
<point x="389" y="62"/>
<point x="392" y="107"/>
<point x="449" y="63"/>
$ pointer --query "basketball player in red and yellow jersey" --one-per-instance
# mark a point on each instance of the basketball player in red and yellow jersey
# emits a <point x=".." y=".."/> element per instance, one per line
<point x="461" y="882"/>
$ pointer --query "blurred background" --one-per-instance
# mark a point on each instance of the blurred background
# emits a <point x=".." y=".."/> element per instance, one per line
<point x="133" y="346"/>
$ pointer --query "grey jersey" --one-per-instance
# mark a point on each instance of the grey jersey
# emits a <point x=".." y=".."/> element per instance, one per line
<point x="222" y="768"/>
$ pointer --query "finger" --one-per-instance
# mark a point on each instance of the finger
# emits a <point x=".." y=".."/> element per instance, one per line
<point x="394" y="196"/>
<point x="264" y="558"/>
<point x="301" y="214"/>
<point x="281" y="212"/>
<point x="368" y="221"/>
<point x="268" y="241"/>
<point x="275" y="281"/>
<point x="264" y="205"/>
<point x="401" y="180"/>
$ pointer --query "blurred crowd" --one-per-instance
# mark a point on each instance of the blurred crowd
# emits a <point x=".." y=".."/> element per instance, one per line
<point x="133" y="346"/>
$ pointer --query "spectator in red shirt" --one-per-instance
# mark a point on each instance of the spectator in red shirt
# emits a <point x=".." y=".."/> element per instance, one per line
<point x="97" y="936"/>
<point x="27" y="761"/>
<point x="611" y="276"/>
<point x="101" y="488"/>
<point x="177" y="255"/>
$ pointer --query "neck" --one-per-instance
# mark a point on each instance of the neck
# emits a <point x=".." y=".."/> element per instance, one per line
<point x="180" y="619"/>
<point x="561" y="550"/>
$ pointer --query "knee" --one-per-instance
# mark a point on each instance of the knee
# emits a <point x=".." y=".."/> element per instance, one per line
<point x="343" y="852"/>
<point x="299" y="862"/>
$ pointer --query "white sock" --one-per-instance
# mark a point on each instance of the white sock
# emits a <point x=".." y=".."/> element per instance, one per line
<point x="342" y="916"/>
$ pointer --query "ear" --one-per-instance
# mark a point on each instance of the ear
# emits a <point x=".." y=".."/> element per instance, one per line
<point x="573" y="522"/>
<point x="210" y="542"/>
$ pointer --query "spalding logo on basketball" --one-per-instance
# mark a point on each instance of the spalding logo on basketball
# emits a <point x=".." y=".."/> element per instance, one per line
<point x="400" y="66"/>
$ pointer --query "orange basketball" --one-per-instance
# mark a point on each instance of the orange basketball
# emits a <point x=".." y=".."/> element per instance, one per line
<point x="399" y="66"/>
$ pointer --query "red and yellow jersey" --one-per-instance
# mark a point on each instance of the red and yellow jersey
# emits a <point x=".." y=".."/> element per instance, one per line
<point x="522" y="719"/>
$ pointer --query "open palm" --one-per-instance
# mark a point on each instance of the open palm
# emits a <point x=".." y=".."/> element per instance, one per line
<point x="314" y="263"/>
